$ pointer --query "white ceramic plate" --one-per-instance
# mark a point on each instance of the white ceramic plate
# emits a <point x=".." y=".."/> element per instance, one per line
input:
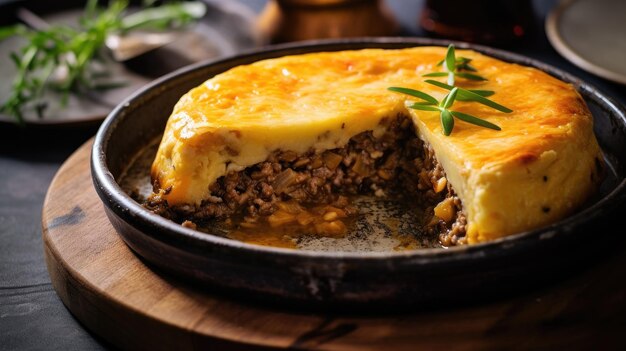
<point x="592" y="35"/>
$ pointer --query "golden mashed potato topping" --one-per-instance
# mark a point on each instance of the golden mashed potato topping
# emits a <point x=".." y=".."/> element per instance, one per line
<point x="540" y="167"/>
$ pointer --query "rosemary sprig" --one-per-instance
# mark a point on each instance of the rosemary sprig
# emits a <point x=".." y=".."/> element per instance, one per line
<point x="430" y="103"/>
<point x="469" y="95"/>
<point x="453" y="66"/>
<point x="61" y="57"/>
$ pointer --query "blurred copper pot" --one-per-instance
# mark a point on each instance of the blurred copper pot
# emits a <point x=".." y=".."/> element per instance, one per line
<point x="293" y="20"/>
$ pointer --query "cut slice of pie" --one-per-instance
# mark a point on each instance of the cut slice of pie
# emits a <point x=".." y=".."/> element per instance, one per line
<point x="265" y="139"/>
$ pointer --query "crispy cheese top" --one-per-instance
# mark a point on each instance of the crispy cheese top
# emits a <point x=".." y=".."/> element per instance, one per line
<point x="533" y="172"/>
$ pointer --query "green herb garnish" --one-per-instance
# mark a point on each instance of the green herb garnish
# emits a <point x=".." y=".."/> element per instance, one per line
<point x="453" y="66"/>
<point x="430" y="103"/>
<point x="475" y="95"/>
<point x="61" y="57"/>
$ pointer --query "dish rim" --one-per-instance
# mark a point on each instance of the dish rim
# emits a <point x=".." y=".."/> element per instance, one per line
<point x="163" y="229"/>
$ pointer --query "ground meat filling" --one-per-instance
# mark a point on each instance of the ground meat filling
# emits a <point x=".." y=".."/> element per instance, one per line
<point x="281" y="189"/>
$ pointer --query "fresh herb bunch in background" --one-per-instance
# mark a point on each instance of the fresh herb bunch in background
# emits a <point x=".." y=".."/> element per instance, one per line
<point x="453" y="66"/>
<point x="62" y="57"/>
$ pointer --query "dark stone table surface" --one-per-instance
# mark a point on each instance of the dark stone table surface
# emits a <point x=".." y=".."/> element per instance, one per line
<point x="32" y="317"/>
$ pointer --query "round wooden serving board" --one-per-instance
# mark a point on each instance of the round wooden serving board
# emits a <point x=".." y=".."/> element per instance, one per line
<point x="129" y="304"/>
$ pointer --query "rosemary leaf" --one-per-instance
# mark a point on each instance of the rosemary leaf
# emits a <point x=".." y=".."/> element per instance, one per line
<point x="447" y="122"/>
<point x="469" y="67"/>
<point x="10" y="31"/>
<point x="418" y="106"/>
<point x="482" y="100"/>
<point x="450" y="59"/>
<point x="483" y="93"/>
<point x="164" y="16"/>
<point x="449" y="99"/>
<point x="474" y="120"/>
<point x="435" y="74"/>
<point x="414" y="93"/>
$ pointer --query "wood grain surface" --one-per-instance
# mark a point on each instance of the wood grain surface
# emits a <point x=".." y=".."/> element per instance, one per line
<point x="121" y="299"/>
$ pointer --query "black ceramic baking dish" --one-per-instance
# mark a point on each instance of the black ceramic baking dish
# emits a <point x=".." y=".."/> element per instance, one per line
<point x="339" y="278"/>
